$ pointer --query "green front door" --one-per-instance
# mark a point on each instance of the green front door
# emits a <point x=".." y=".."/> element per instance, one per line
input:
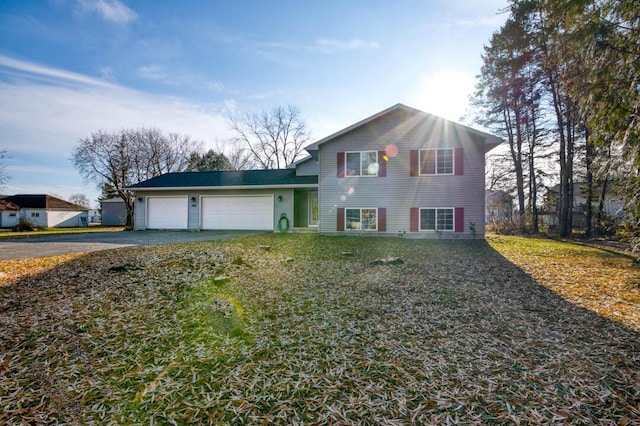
<point x="313" y="209"/>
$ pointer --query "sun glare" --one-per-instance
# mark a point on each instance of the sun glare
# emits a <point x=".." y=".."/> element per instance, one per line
<point x="444" y="93"/>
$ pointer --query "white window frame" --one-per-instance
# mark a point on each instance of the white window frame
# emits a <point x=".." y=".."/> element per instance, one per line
<point x="453" y="219"/>
<point x="360" y="154"/>
<point x="360" y="209"/>
<point x="35" y="214"/>
<point x="437" y="172"/>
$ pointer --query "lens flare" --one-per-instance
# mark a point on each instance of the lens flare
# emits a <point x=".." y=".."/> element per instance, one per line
<point x="351" y="190"/>
<point x="391" y="150"/>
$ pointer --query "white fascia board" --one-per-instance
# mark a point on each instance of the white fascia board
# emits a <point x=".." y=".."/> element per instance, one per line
<point x="220" y="188"/>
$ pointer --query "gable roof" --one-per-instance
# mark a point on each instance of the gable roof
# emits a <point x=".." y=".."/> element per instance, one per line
<point x="228" y="180"/>
<point x="41" y="201"/>
<point x="490" y="141"/>
<point x="8" y="205"/>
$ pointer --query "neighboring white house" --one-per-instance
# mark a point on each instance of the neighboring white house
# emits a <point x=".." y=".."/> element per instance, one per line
<point x="499" y="205"/>
<point x="400" y="171"/>
<point x="43" y="211"/>
<point x="94" y="216"/>
<point x="613" y="205"/>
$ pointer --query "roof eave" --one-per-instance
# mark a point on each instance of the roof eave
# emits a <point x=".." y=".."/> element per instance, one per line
<point x="221" y="188"/>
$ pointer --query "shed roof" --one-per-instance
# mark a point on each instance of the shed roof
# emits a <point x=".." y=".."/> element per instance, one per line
<point x="228" y="179"/>
<point x="41" y="201"/>
<point x="8" y="205"/>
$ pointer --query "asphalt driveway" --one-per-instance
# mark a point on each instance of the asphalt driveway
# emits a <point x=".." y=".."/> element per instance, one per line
<point x="55" y="245"/>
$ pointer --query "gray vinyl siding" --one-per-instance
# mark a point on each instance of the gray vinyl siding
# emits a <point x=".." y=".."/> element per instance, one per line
<point x="307" y="168"/>
<point x="398" y="192"/>
<point x="285" y="206"/>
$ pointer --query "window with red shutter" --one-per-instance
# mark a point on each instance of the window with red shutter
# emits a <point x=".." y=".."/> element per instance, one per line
<point x="459" y="219"/>
<point x="459" y="161"/>
<point x="382" y="164"/>
<point x="414" y="225"/>
<point x="414" y="156"/>
<point x="382" y="219"/>
<point x="340" y="162"/>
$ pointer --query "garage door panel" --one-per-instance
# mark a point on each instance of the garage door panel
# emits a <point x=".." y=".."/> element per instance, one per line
<point x="167" y="213"/>
<point x="237" y="212"/>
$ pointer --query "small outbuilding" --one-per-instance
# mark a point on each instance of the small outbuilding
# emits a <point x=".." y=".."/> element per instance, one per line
<point x="43" y="211"/>
<point x="114" y="212"/>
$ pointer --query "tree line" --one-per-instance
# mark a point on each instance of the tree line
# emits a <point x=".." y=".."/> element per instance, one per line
<point x="115" y="160"/>
<point x="560" y="82"/>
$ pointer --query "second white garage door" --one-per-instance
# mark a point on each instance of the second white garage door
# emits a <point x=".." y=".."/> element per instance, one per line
<point x="238" y="212"/>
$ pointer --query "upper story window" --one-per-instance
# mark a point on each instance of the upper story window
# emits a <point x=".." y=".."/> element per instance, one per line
<point x="364" y="163"/>
<point x="436" y="161"/>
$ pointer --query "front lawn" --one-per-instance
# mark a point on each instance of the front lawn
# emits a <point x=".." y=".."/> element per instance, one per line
<point x="295" y="329"/>
<point x="7" y="233"/>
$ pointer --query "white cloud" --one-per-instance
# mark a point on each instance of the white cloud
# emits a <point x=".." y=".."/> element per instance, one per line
<point x="152" y="72"/>
<point x="24" y="69"/>
<point x="107" y="73"/>
<point x="45" y="111"/>
<point x="110" y="10"/>
<point x="331" y="45"/>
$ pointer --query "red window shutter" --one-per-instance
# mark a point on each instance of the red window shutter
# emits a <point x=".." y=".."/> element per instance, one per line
<point x="459" y="161"/>
<point x="340" y="164"/>
<point x="340" y="218"/>
<point x="413" y="162"/>
<point x="382" y="219"/>
<point x="382" y="164"/>
<point x="459" y="219"/>
<point x="415" y="220"/>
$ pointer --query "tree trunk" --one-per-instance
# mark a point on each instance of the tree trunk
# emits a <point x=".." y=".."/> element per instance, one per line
<point x="589" y="175"/>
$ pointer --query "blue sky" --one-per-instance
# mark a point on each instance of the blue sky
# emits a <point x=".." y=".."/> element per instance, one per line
<point x="72" y="67"/>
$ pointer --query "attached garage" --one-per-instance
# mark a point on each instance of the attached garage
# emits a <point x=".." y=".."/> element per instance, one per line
<point x="169" y="212"/>
<point x="252" y="212"/>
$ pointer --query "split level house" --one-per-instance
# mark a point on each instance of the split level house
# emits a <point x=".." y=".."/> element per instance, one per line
<point x="399" y="172"/>
<point x="42" y="211"/>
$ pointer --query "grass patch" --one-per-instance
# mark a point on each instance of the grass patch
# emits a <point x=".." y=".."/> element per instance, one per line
<point x="287" y="329"/>
<point x="7" y="234"/>
<point x="601" y="280"/>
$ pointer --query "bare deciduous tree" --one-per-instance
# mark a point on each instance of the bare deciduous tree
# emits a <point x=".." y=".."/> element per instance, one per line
<point x="274" y="138"/>
<point x="80" y="200"/>
<point x="4" y="175"/>
<point x="126" y="157"/>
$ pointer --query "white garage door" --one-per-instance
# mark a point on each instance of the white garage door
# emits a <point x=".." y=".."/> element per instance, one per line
<point x="237" y="212"/>
<point x="167" y="212"/>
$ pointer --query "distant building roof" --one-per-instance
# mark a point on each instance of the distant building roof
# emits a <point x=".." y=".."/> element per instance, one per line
<point x="8" y="205"/>
<point x="41" y="201"/>
<point x="228" y="179"/>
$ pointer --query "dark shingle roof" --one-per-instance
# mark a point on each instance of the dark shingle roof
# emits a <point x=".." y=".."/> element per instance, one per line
<point x="8" y="205"/>
<point x="41" y="201"/>
<point x="236" y="178"/>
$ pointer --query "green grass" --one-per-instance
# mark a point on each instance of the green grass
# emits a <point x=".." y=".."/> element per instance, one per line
<point x="287" y="329"/>
<point x="9" y="234"/>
